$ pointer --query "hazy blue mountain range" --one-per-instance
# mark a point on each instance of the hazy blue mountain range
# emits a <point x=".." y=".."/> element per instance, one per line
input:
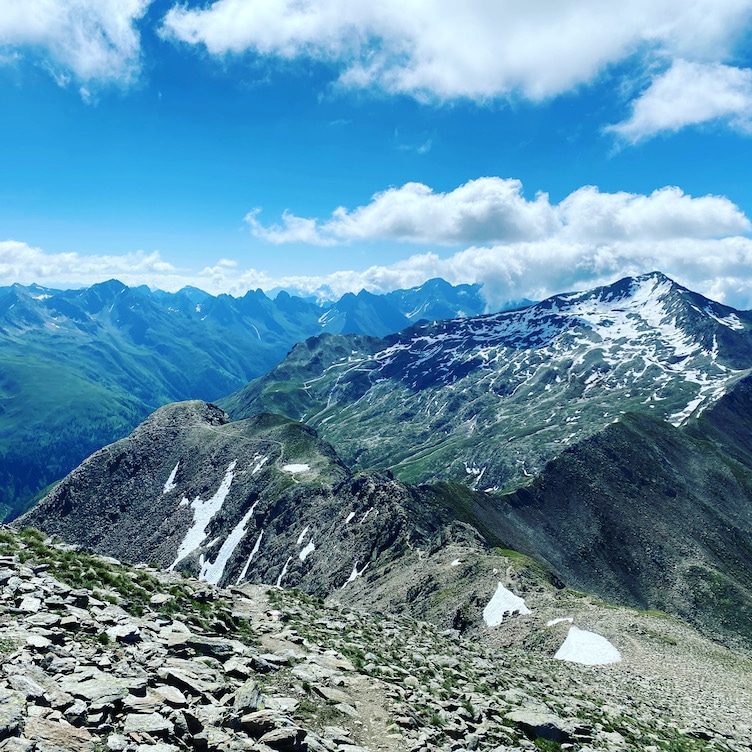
<point x="80" y="368"/>
<point x="488" y="400"/>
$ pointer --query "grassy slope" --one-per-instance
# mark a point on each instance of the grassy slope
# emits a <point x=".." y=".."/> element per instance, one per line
<point x="51" y="416"/>
<point x="647" y="514"/>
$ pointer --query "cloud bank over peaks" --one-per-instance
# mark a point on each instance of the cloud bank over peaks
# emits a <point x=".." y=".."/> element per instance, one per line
<point x="484" y="231"/>
<point x="495" y="210"/>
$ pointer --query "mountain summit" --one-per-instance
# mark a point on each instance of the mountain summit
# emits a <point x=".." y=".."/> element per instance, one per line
<point x="490" y="399"/>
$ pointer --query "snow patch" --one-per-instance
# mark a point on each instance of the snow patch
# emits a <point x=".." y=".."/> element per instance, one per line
<point x="309" y="549"/>
<point x="302" y="536"/>
<point x="257" y="467"/>
<point x="296" y="468"/>
<point x="587" y="648"/>
<point x="255" y="550"/>
<point x="502" y="603"/>
<point x="203" y="511"/>
<point x="732" y="321"/>
<point x="349" y="518"/>
<point x="455" y="563"/>
<point x="170" y="482"/>
<point x="283" y="572"/>
<point x="355" y="573"/>
<point x="561" y="619"/>
<point x="212" y="571"/>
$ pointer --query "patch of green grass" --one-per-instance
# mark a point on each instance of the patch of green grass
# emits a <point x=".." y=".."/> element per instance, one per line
<point x="319" y="712"/>
<point x="131" y="589"/>
<point x="547" y="745"/>
<point x="7" y="646"/>
<point x="522" y="561"/>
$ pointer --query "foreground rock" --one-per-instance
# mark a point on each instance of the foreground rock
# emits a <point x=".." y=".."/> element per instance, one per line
<point x="103" y="664"/>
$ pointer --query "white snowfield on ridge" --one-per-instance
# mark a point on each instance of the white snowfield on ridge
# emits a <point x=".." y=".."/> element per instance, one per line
<point x="638" y="328"/>
<point x="587" y="648"/>
<point x="580" y="646"/>
<point x="300" y="467"/>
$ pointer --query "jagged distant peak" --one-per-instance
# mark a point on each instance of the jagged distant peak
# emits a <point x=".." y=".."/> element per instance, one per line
<point x="638" y="289"/>
<point x="649" y="305"/>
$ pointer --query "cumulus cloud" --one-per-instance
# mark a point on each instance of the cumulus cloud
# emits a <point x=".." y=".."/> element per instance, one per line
<point x="291" y="229"/>
<point x="85" y="41"/>
<point x="589" y="215"/>
<point x="478" y="211"/>
<point x="515" y="247"/>
<point x="495" y="210"/>
<point x="690" y="93"/>
<point x="475" y="49"/>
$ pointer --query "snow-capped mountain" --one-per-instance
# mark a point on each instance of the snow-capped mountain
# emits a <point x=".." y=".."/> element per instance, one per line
<point x="489" y="399"/>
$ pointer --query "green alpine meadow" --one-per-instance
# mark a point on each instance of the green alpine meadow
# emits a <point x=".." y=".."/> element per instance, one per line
<point x="375" y="377"/>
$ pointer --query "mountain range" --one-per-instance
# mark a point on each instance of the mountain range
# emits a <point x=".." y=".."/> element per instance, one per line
<point x="639" y="489"/>
<point x="566" y="483"/>
<point x="488" y="400"/>
<point x="81" y="368"/>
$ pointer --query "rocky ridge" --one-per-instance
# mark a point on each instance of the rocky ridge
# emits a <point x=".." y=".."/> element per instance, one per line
<point x="265" y="500"/>
<point x="99" y="656"/>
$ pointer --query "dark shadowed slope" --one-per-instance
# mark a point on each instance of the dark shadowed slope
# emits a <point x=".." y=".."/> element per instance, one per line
<point x="650" y="514"/>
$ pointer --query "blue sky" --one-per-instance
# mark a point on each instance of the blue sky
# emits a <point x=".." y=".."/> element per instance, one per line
<point x="137" y="138"/>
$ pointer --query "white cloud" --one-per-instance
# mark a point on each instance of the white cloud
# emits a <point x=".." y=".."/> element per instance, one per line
<point x="20" y="262"/>
<point x="88" y="41"/>
<point x="477" y="48"/>
<point x="494" y="210"/>
<point x="515" y="247"/>
<point x="292" y="229"/>
<point x="478" y="211"/>
<point x="690" y="93"/>
<point x="589" y="215"/>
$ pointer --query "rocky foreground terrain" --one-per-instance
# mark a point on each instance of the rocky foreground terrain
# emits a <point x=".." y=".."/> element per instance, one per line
<point x="99" y="656"/>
